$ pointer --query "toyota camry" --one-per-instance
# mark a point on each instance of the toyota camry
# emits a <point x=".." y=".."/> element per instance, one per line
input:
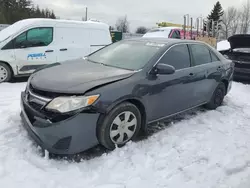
<point x="116" y="92"/>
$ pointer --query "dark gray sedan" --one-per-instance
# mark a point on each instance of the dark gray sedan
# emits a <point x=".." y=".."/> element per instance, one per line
<point x="118" y="91"/>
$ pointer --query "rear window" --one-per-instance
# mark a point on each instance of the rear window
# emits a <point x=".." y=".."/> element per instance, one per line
<point x="132" y="55"/>
<point x="201" y="54"/>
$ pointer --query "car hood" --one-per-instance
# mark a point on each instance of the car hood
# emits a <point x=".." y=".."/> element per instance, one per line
<point x="76" y="76"/>
<point x="239" y="41"/>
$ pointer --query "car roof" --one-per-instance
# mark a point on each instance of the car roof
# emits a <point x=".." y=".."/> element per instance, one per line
<point x="165" y="40"/>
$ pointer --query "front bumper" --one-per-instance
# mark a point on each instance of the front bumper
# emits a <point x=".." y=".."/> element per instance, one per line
<point x="70" y="136"/>
<point x="241" y="73"/>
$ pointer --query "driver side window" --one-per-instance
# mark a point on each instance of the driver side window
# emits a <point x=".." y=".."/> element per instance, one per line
<point x="177" y="56"/>
<point x="34" y="38"/>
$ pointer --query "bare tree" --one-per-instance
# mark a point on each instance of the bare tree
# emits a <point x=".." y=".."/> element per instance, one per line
<point x="141" y="30"/>
<point x="245" y="18"/>
<point x="228" y="21"/>
<point x="122" y="24"/>
<point x="236" y="23"/>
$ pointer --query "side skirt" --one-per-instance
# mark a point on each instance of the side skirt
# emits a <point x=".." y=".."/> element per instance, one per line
<point x="165" y="117"/>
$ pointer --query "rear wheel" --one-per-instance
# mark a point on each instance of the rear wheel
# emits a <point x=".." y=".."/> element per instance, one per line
<point x="121" y="125"/>
<point x="217" y="98"/>
<point x="5" y="73"/>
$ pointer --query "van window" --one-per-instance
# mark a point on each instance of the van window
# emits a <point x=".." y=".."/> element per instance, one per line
<point x="175" y="35"/>
<point x="35" y="37"/>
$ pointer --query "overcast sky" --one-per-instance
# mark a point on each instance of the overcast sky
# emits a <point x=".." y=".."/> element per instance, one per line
<point x="139" y="13"/>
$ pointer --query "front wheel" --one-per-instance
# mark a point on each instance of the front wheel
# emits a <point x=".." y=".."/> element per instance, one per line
<point x="120" y="125"/>
<point x="5" y="73"/>
<point x="217" y="98"/>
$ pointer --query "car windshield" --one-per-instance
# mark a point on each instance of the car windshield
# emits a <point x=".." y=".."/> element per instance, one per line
<point x="12" y="29"/>
<point x="131" y="55"/>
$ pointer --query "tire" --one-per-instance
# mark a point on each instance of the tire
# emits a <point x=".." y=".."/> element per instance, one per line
<point x="217" y="98"/>
<point x="5" y="73"/>
<point x="109" y="130"/>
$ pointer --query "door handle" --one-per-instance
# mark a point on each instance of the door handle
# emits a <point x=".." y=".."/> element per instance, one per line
<point x="191" y="74"/>
<point x="63" y="49"/>
<point x="49" y="51"/>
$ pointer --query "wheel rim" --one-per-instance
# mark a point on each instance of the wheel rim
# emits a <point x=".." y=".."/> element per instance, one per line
<point x="218" y="97"/>
<point x="3" y="73"/>
<point x="123" y="127"/>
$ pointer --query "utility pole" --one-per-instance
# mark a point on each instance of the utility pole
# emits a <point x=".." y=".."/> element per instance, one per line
<point x="187" y="20"/>
<point x="197" y="25"/>
<point x="86" y="14"/>
<point x="191" y="34"/>
<point x="184" y="28"/>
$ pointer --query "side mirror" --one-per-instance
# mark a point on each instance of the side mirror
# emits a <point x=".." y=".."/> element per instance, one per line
<point x="164" y="69"/>
<point x="23" y="44"/>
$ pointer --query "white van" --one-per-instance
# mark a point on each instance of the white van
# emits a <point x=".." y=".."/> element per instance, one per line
<point x="29" y="44"/>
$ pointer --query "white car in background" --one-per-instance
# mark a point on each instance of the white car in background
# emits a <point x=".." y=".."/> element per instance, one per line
<point x="29" y="44"/>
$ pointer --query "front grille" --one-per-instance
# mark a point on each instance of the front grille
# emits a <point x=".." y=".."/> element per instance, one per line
<point x="30" y="115"/>
<point x="44" y="93"/>
<point x="36" y="106"/>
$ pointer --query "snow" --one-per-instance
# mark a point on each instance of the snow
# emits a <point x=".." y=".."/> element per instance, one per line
<point x="223" y="45"/>
<point x="202" y="149"/>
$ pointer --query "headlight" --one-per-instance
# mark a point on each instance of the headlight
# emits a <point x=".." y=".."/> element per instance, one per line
<point x="226" y="56"/>
<point x="67" y="104"/>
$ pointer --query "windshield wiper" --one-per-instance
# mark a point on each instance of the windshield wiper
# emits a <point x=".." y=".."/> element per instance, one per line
<point x="92" y="61"/>
<point x="116" y="67"/>
<point x="107" y="65"/>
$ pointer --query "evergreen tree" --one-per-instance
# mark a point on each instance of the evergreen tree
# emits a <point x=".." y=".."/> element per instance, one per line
<point x="37" y="12"/>
<point x="214" y="17"/>
<point x="12" y="11"/>
<point x="52" y="15"/>
<point x="43" y="14"/>
<point x="47" y="13"/>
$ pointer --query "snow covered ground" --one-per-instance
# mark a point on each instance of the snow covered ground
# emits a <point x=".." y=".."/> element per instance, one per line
<point x="206" y="149"/>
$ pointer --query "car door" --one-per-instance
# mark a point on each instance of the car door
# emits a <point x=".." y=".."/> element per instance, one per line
<point x="170" y="94"/>
<point x="207" y="68"/>
<point x="34" y="48"/>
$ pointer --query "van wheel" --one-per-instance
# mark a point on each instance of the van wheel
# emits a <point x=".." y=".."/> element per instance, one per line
<point x="217" y="98"/>
<point x="5" y="73"/>
<point x="119" y="126"/>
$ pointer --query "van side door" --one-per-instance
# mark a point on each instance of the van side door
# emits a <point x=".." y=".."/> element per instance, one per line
<point x="72" y="41"/>
<point x="34" y="48"/>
